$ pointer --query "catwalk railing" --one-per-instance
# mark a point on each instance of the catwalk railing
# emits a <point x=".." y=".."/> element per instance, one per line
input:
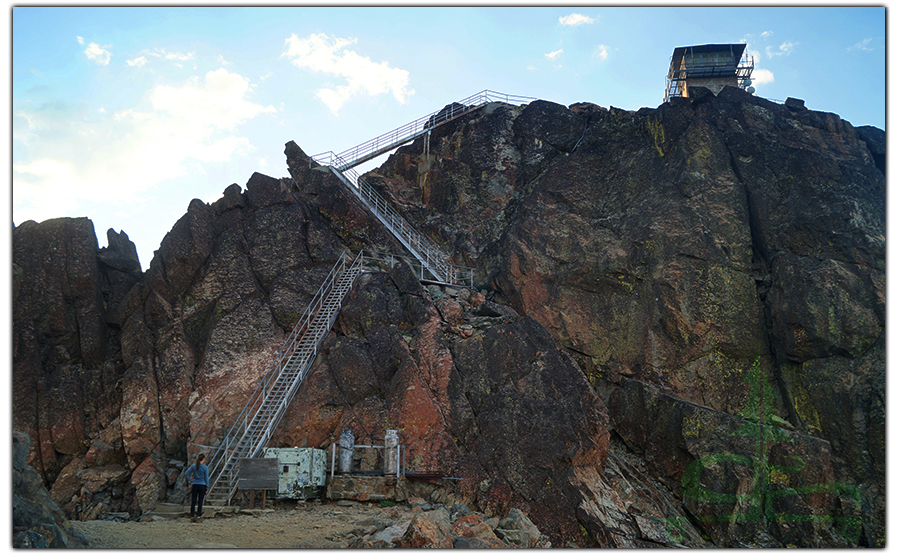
<point x="389" y="141"/>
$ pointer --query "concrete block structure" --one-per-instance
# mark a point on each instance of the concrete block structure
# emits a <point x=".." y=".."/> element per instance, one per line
<point x="366" y="488"/>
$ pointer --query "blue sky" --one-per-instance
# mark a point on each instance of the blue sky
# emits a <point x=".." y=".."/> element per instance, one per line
<point x="125" y="114"/>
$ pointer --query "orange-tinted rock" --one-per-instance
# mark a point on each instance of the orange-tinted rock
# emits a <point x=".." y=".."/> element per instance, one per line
<point x="475" y="527"/>
<point x="429" y="530"/>
<point x="149" y="480"/>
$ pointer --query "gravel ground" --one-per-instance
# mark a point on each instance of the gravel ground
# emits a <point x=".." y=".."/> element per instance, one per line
<point x="302" y="525"/>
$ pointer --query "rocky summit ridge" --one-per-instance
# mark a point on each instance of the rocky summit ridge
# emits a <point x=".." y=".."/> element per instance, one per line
<point x="676" y="336"/>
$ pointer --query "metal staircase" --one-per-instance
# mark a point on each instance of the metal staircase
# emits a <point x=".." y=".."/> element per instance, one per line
<point x="341" y="164"/>
<point x="262" y="413"/>
<point x="424" y="250"/>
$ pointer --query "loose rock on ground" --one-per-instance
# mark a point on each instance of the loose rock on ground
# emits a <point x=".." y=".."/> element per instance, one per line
<point x="321" y="525"/>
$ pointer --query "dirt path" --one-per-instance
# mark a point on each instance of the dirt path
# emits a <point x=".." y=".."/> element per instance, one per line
<point x="304" y="525"/>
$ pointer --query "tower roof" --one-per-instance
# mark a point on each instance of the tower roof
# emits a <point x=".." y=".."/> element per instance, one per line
<point x="736" y="50"/>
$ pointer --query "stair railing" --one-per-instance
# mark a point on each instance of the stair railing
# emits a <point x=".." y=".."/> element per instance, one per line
<point x="223" y="461"/>
<point x="465" y="274"/>
<point x="432" y="257"/>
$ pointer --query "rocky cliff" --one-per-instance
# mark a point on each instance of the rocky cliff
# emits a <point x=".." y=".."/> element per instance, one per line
<point x="677" y="337"/>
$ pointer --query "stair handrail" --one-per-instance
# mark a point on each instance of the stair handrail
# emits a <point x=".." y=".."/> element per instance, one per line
<point x="354" y="268"/>
<point x="432" y="256"/>
<point x="407" y="132"/>
<point x="217" y="464"/>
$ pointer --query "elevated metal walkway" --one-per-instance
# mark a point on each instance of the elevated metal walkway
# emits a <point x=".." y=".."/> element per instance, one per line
<point x="389" y="141"/>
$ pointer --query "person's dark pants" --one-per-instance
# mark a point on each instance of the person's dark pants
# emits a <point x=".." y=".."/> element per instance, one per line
<point x="198" y="492"/>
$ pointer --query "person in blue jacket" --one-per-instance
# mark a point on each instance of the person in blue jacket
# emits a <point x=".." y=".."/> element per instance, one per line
<point x="198" y="474"/>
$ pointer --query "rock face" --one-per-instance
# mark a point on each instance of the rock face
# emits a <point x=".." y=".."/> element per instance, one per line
<point x="684" y="340"/>
<point x="460" y="398"/>
<point x="65" y="369"/>
<point x="677" y="245"/>
<point x="37" y="521"/>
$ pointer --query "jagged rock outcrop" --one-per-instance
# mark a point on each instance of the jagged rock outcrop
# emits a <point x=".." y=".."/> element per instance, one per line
<point x="64" y="373"/>
<point x="716" y="264"/>
<point x="676" y="245"/>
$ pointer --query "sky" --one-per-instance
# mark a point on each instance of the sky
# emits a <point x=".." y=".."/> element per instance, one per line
<point x="124" y="115"/>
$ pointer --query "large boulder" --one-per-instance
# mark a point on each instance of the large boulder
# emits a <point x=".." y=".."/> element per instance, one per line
<point x="430" y="529"/>
<point x="37" y="521"/>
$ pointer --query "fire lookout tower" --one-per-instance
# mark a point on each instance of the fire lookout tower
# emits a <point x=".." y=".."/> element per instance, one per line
<point x="710" y="66"/>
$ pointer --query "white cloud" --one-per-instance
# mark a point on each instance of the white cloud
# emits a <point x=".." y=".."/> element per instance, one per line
<point x="765" y="34"/>
<point x="321" y="54"/>
<point x="575" y="19"/>
<point x="862" y="45"/>
<point x="69" y="158"/>
<point x="784" y="49"/>
<point x="80" y="40"/>
<point x="865" y="45"/>
<point x="178" y="56"/>
<point x="761" y="76"/>
<point x="601" y="53"/>
<point x="531" y="68"/>
<point x="97" y="53"/>
<point x="217" y="101"/>
<point x="175" y="57"/>
<point x="554" y="55"/>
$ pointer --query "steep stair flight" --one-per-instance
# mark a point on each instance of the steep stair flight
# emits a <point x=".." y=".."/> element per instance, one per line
<point x="342" y="164"/>
<point x="262" y="413"/>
